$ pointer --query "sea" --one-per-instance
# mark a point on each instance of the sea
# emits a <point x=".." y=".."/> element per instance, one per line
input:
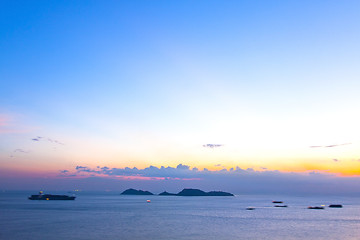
<point x="109" y="215"/>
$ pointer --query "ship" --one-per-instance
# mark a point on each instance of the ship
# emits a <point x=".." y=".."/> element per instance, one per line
<point x="316" y="207"/>
<point x="335" y="206"/>
<point x="42" y="196"/>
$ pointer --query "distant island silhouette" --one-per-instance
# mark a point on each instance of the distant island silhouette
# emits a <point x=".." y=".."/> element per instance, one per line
<point x="167" y="194"/>
<point x="197" y="192"/>
<point x="132" y="191"/>
<point x="184" y="192"/>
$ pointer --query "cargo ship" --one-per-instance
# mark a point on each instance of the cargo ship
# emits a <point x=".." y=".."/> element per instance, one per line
<point x="42" y="196"/>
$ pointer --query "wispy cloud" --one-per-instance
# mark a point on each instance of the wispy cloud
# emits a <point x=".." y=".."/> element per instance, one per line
<point x="330" y="146"/>
<point x="209" y="145"/>
<point x="50" y="140"/>
<point x="19" y="150"/>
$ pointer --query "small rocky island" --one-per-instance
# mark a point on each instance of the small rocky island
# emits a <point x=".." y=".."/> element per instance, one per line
<point x="132" y="191"/>
<point x="198" y="192"/>
<point x="167" y="194"/>
<point x="184" y="192"/>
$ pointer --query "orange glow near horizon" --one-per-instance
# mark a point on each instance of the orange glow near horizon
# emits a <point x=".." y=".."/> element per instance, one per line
<point x="344" y="169"/>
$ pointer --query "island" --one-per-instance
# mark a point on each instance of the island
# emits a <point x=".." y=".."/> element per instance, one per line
<point x="132" y="191"/>
<point x="167" y="194"/>
<point x="184" y="192"/>
<point x="219" y="193"/>
<point x="196" y="192"/>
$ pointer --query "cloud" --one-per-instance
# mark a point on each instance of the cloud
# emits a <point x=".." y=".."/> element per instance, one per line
<point x="181" y="171"/>
<point x="67" y="174"/>
<point x="84" y="169"/>
<point x="21" y="151"/>
<point x="38" y="139"/>
<point x="213" y="145"/>
<point x="183" y="167"/>
<point x="331" y="146"/>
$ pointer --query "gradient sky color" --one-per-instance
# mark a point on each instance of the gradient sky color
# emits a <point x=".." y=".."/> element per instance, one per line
<point x="139" y="83"/>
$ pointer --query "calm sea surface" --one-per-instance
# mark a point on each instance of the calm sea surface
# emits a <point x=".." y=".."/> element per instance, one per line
<point x="112" y="216"/>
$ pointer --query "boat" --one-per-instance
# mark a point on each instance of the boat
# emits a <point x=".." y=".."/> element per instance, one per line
<point x="315" y="207"/>
<point x="250" y="208"/>
<point x="280" y="206"/>
<point x="277" y="201"/>
<point x="42" y="196"/>
<point x="335" y="206"/>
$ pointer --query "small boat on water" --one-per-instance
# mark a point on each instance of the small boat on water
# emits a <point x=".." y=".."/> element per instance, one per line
<point x="315" y="207"/>
<point x="277" y="201"/>
<point x="280" y="206"/>
<point x="42" y="196"/>
<point x="335" y="206"/>
<point x="250" y="208"/>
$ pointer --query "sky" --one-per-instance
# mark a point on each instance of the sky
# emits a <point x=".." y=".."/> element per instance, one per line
<point x="180" y="94"/>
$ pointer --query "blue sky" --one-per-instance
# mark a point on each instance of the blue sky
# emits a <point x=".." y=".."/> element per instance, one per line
<point x="140" y="83"/>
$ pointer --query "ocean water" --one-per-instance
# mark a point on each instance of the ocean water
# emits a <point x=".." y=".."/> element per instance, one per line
<point x="113" y="216"/>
